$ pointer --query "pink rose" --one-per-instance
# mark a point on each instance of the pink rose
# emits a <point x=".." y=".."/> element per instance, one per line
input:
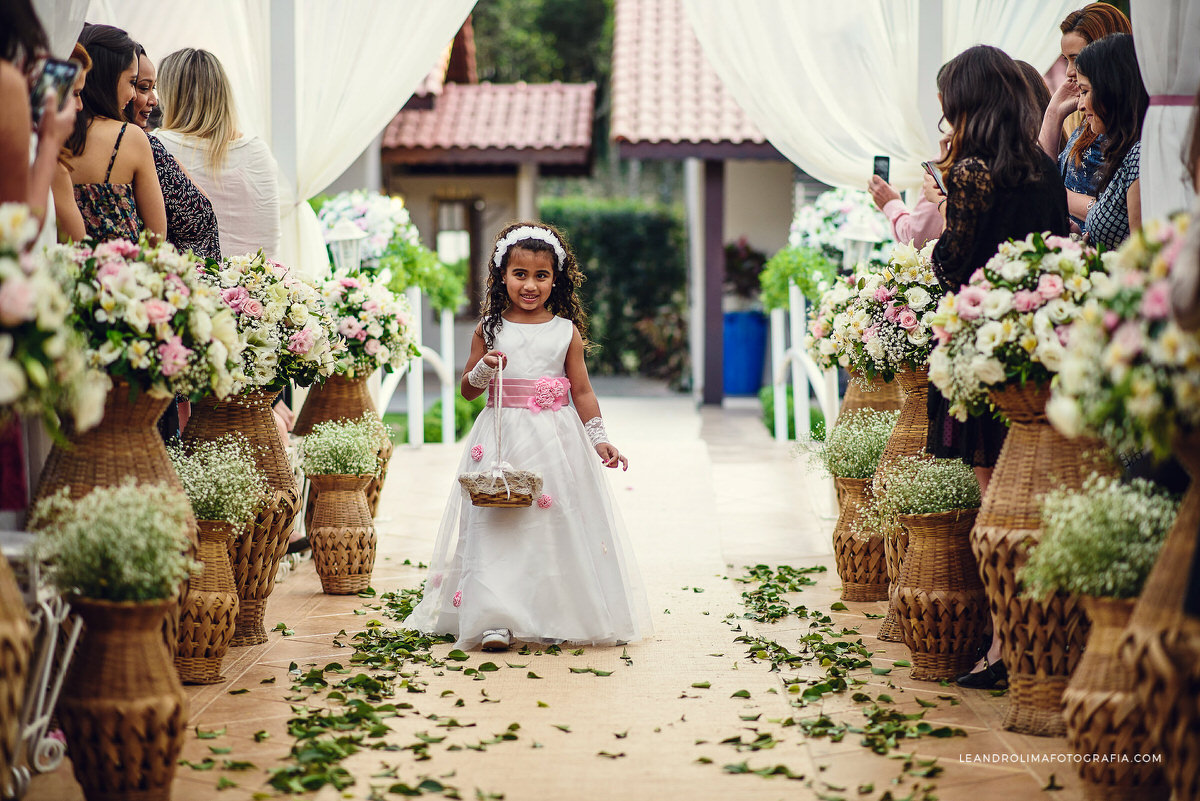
<point x="1050" y="286"/>
<point x="361" y="335"/>
<point x="235" y="296"/>
<point x="548" y="393"/>
<point x="818" y="330"/>
<point x="372" y="347"/>
<point x="976" y="276"/>
<point x="125" y="248"/>
<point x="477" y="452"/>
<point x="908" y="320"/>
<point x="884" y="293"/>
<point x="1133" y="279"/>
<point x="1111" y="320"/>
<point x="158" y="311"/>
<point x="1026" y="301"/>
<point x="301" y="341"/>
<point x="371" y="306"/>
<point x="277" y="268"/>
<point x="252" y="308"/>
<point x="1156" y="303"/>
<point x="173" y="355"/>
<point x="349" y="327"/>
<point x="941" y="334"/>
<point x="545" y="502"/>
<point x="458" y="598"/>
<point x="1129" y="338"/>
<point x="110" y="269"/>
<point x="1063" y="332"/>
<point x="16" y="302"/>
<point x="178" y="285"/>
<point x="970" y="302"/>
<point x="891" y="311"/>
<point x="350" y="283"/>
<point x="870" y="333"/>
<point x="1063" y="243"/>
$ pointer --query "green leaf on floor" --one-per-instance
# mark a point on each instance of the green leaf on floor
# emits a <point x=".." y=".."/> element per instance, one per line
<point x="562" y="727"/>
<point x="205" y="764"/>
<point x="901" y="663"/>
<point x="926" y="704"/>
<point x="701" y="685"/>
<point x="224" y="783"/>
<point x="235" y="764"/>
<point x="838" y="606"/>
<point x="542" y="704"/>
<point x="360" y="611"/>
<point x="489" y="667"/>
<point x="220" y="750"/>
<point x="287" y="632"/>
<point x="518" y="667"/>
<point x="532" y="675"/>
<point x="863" y="789"/>
<point x="625" y="657"/>
<point x="369" y="592"/>
<point x="457" y="656"/>
<point x="577" y="652"/>
<point x="260" y="735"/>
<point x="609" y="755"/>
<point x="881" y="671"/>
<point x="270" y="680"/>
<point x="704" y="760"/>
<point x="884" y="698"/>
<point x="591" y="670"/>
<point x="621" y="735"/>
<point x="999" y="693"/>
<point x="697" y="589"/>
<point x="872" y="615"/>
<point x="750" y="718"/>
<point x="1052" y="784"/>
<point x="209" y="735"/>
<point x="741" y="694"/>
<point x="239" y="691"/>
<point x="666" y="611"/>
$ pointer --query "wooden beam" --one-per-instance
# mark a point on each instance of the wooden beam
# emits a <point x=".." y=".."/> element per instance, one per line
<point x="714" y="281"/>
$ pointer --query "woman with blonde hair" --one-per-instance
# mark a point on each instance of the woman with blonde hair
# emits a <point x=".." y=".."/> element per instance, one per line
<point x="237" y="172"/>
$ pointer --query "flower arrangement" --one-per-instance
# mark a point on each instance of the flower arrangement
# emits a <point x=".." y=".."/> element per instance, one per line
<point x="887" y="326"/>
<point x="822" y="321"/>
<point x="376" y="323"/>
<point x="824" y="224"/>
<point x="917" y="485"/>
<point x="1100" y="540"/>
<point x="43" y="369"/>
<point x="290" y="333"/>
<point x="344" y="447"/>
<point x="147" y="318"/>
<point x="220" y="478"/>
<point x="1129" y="374"/>
<point x="809" y="268"/>
<point x="122" y="543"/>
<point x="1009" y="323"/>
<point x="854" y="447"/>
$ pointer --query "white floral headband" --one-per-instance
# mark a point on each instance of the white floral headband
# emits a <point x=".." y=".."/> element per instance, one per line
<point x="529" y="232"/>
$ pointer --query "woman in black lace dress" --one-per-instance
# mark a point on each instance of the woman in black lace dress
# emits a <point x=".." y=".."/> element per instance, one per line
<point x="1000" y="185"/>
<point x="191" y="221"/>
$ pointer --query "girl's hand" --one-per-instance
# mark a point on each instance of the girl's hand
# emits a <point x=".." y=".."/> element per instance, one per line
<point x="493" y="358"/>
<point x="611" y="456"/>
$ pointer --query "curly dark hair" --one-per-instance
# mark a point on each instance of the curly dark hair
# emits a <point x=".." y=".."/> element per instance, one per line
<point x="563" y="301"/>
<point x="1119" y="97"/>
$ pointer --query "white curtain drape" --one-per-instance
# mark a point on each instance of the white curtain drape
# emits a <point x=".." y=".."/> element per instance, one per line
<point x="62" y="19"/>
<point x="832" y="90"/>
<point x="1167" y="36"/>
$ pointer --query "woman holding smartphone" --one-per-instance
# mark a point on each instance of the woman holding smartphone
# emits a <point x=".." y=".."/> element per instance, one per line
<point x="112" y="165"/>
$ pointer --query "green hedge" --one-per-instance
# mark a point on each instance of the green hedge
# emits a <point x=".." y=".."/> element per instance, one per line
<point x="816" y="418"/>
<point x="634" y="256"/>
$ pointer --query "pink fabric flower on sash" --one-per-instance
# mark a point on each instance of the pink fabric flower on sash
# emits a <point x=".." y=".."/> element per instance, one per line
<point x="548" y="393"/>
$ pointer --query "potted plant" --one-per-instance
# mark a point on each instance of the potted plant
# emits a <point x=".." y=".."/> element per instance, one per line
<point x="745" y="325"/>
<point x="226" y="491"/>
<point x="1100" y="543"/>
<point x="1130" y="376"/>
<point x="850" y="455"/>
<point x="117" y="554"/>
<point x="939" y="599"/>
<point x="340" y="457"/>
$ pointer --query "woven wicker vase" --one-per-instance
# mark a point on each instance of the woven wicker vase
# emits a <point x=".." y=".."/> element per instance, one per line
<point x="1103" y="715"/>
<point x="125" y="444"/>
<point x="343" y="534"/>
<point x="886" y="397"/>
<point x="1161" y="645"/>
<point x="209" y="615"/>
<point x="122" y="709"/>
<point x="16" y="646"/>
<point x="256" y="551"/>
<point x="908" y="439"/>
<point x="1040" y="640"/>
<point x="341" y="398"/>
<point x="940" y="601"/>
<point x="860" y="563"/>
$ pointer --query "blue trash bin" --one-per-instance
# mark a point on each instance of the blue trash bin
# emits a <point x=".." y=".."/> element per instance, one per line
<point x="745" y="351"/>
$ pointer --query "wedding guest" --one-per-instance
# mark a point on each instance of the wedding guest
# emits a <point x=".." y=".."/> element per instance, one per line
<point x="236" y="171"/>
<point x="66" y="211"/>
<point x="1185" y="277"/>
<point x="1114" y="102"/>
<point x="1000" y="186"/>
<point x="116" y="185"/>
<point x="917" y="225"/>
<point x="1037" y="85"/>
<point x="1081" y="158"/>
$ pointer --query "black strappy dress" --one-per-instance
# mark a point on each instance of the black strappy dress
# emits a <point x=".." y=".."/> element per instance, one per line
<point x="109" y="210"/>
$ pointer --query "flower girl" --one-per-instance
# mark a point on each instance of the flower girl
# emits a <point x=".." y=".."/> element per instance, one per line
<point x="561" y="569"/>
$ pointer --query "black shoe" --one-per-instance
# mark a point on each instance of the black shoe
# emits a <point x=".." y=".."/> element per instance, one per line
<point x="994" y="675"/>
<point x="299" y="545"/>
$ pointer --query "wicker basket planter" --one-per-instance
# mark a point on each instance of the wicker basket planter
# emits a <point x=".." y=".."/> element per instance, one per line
<point x="125" y="444"/>
<point x="895" y="546"/>
<point x="1040" y="641"/>
<point x="122" y="709"/>
<point x="887" y="396"/>
<point x="940" y="601"/>
<point x="16" y="646"/>
<point x="256" y="551"/>
<point x="1161" y="645"/>
<point x="343" y="534"/>
<point x="209" y="615"/>
<point x="860" y="563"/>
<point x="1104" y="717"/>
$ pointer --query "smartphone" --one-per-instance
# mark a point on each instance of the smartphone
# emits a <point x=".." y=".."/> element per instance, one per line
<point x="883" y="167"/>
<point x="931" y="168"/>
<point x="57" y="79"/>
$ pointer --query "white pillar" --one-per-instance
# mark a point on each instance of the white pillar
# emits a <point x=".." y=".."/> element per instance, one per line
<point x="416" y="376"/>
<point x="778" y="378"/>
<point x="798" y="322"/>
<point x="527" y="178"/>
<point x="448" y="387"/>
<point x="693" y="190"/>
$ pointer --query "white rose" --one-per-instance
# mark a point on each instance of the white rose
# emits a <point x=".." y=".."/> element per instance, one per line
<point x="224" y="329"/>
<point x="874" y="349"/>
<point x="1050" y="353"/>
<point x="109" y="353"/>
<point x="87" y="406"/>
<point x="201" y="325"/>
<point x="989" y="337"/>
<point x="1013" y="270"/>
<point x="12" y="381"/>
<point x="135" y="315"/>
<point x="918" y="336"/>
<point x="939" y="369"/>
<point x="298" y="314"/>
<point x="988" y="371"/>
<point x="917" y="297"/>
<point x="997" y="303"/>
<point x="1059" y="311"/>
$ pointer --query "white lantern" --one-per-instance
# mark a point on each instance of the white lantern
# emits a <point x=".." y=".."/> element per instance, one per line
<point x="345" y="242"/>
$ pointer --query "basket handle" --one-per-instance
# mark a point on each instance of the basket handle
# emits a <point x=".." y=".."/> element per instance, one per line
<point x="499" y="379"/>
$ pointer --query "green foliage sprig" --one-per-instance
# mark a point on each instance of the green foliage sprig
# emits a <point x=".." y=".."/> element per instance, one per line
<point x="917" y="485"/>
<point x="853" y="448"/>
<point x="809" y="268"/>
<point x="413" y="264"/>
<point x="220" y="478"/>
<point x="344" y="447"/>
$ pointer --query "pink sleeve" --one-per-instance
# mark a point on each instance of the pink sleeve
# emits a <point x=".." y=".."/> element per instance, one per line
<point x="919" y="225"/>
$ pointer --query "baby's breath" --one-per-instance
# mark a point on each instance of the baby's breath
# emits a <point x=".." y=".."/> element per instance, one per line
<point x="1099" y="540"/>
<point x="123" y="543"/>
<point x="221" y="478"/>
<point x="854" y="447"/>
<point x="344" y="447"/>
<point x="915" y="485"/>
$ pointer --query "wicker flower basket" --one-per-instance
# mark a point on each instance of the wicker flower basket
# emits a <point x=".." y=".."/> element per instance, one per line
<point x="940" y="601"/>
<point x="256" y="551"/>
<point x="343" y="534"/>
<point x="209" y="615"/>
<point x="887" y="396"/>
<point x="1040" y="641"/>
<point x="16" y="646"/>
<point x="895" y="546"/>
<point x="125" y="444"/>
<point x="1161" y="645"/>
<point x="1104" y="717"/>
<point x="517" y="489"/>
<point x="122" y="709"/>
<point x="860" y="562"/>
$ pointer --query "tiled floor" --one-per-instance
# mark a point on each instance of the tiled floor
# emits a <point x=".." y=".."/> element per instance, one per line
<point x="706" y="494"/>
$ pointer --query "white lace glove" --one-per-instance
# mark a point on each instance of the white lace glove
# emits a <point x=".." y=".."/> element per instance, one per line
<point x="481" y="375"/>
<point x="595" y="431"/>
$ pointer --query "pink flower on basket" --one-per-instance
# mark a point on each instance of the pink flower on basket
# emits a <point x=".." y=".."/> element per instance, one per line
<point x="1111" y="320"/>
<point x="158" y="311"/>
<point x="252" y="308"/>
<point x="301" y="341"/>
<point x="1026" y="301"/>
<point x="884" y="293"/>
<point x="548" y="393"/>
<point x="371" y="306"/>
<point x="177" y="284"/>
<point x="110" y="269"/>
<point x="891" y="312"/>
<point x="173" y="355"/>
<point x="458" y="598"/>
<point x="1050" y="286"/>
<point x="234" y="297"/>
<point x="545" y="502"/>
<point x="976" y="276"/>
<point x="349" y="327"/>
<point x="908" y="320"/>
<point x="16" y="302"/>
<point x="970" y="302"/>
<point x="371" y="347"/>
<point x="477" y="452"/>
<point x="941" y="334"/>
<point x="350" y="283"/>
<point x="277" y="268"/>
<point x="1156" y="303"/>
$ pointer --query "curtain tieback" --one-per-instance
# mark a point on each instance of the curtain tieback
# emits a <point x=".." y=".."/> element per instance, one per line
<point x="1171" y="100"/>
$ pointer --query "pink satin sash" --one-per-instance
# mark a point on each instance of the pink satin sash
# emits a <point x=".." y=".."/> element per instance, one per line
<point x="548" y="393"/>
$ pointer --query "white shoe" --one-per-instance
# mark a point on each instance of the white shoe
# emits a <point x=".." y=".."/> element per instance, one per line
<point x="497" y="640"/>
